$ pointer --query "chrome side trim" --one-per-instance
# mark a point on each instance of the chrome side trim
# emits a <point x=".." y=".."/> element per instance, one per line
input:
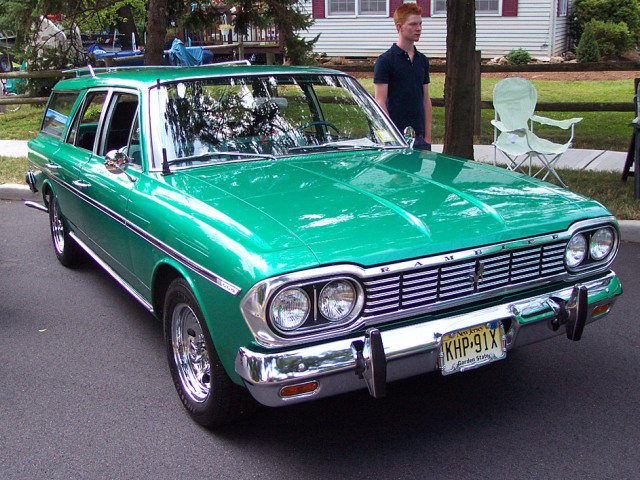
<point x="409" y="350"/>
<point x="123" y="283"/>
<point x="212" y="277"/>
<point x="186" y="261"/>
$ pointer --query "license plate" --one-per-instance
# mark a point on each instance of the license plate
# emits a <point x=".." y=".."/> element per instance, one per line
<point x="472" y="347"/>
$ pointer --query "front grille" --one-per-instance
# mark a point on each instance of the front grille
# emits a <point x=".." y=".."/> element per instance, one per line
<point x="459" y="281"/>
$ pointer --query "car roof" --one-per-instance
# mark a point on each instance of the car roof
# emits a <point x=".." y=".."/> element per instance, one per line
<point x="145" y="77"/>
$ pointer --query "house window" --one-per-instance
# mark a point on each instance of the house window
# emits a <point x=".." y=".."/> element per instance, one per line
<point x="562" y="7"/>
<point x="361" y="7"/>
<point x="487" y="6"/>
<point x="372" y="7"/>
<point x="482" y="6"/>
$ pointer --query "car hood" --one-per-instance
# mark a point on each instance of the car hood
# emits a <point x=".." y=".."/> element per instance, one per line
<point x="373" y="207"/>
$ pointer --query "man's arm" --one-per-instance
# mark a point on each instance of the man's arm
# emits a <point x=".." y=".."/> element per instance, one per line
<point x="427" y="113"/>
<point x="381" y="90"/>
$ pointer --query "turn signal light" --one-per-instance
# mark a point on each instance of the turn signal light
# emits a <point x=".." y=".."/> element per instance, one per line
<point x="300" y="389"/>
<point x="601" y="309"/>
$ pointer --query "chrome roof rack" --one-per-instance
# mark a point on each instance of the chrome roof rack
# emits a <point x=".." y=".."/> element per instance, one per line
<point x="92" y="71"/>
<point x="233" y="62"/>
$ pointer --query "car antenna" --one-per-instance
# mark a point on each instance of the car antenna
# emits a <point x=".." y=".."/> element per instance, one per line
<point x="165" y="164"/>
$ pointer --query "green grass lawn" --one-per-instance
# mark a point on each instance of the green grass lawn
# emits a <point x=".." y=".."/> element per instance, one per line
<point x="21" y="125"/>
<point x="548" y="90"/>
<point x="597" y="131"/>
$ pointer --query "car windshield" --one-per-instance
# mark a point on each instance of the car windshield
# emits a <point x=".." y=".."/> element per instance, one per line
<point x="226" y="119"/>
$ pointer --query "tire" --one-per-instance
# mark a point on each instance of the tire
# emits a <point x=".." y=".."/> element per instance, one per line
<point x="204" y="388"/>
<point x="65" y="248"/>
<point x="5" y="65"/>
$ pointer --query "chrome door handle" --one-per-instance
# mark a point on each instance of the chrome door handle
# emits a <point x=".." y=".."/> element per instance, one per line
<point x="80" y="184"/>
<point x="52" y="166"/>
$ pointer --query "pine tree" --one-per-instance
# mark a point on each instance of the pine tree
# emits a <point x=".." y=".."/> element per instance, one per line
<point x="588" y="50"/>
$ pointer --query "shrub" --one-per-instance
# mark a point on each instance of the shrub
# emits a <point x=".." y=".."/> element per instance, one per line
<point x="518" y="57"/>
<point x="615" y="11"/>
<point x="588" y="50"/>
<point x="613" y="39"/>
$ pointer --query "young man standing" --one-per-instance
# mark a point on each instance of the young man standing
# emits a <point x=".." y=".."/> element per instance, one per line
<point x="401" y="77"/>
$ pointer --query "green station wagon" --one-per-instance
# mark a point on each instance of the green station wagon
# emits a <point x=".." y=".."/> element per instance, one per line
<point x="293" y="243"/>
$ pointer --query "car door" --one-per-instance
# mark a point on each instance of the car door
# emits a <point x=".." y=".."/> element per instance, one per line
<point x="60" y="163"/>
<point x="77" y="150"/>
<point x="108" y="190"/>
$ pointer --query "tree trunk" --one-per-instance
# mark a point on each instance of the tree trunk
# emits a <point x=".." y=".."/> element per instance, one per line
<point x="459" y="89"/>
<point x="127" y="26"/>
<point x="156" y="32"/>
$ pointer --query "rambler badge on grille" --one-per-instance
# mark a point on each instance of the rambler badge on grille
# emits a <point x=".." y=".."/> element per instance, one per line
<point x="476" y="277"/>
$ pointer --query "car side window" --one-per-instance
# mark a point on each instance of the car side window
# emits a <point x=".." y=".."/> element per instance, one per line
<point x="121" y="123"/>
<point x="85" y="126"/>
<point x="56" y="116"/>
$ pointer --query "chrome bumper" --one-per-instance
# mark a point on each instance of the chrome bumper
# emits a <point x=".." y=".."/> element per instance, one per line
<point x="380" y="356"/>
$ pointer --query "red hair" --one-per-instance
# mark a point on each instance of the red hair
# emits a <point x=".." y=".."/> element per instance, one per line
<point x="403" y="11"/>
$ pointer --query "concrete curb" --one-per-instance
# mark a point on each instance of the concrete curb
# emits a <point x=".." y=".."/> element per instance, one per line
<point x="629" y="229"/>
<point x="12" y="191"/>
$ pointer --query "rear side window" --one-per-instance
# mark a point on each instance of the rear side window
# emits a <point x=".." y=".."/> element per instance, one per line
<point x="84" y="129"/>
<point x="56" y="116"/>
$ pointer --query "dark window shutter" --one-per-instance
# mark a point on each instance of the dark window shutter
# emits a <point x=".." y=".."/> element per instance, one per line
<point x="509" y="8"/>
<point x="317" y="8"/>
<point x="393" y="4"/>
<point x="426" y="7"/>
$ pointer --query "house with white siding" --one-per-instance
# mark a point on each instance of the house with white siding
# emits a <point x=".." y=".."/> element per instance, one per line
<point x="365" y="28"/>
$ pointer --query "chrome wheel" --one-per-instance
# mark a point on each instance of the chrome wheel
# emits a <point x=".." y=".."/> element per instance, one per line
<point x="67" y="251"/>
<point x="190" y="353"/>
<point x="57" y="227"/>
<point x="202" y="383"/>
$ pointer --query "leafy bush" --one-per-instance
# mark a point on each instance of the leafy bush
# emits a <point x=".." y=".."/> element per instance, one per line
<point x="588" y="50"/>
<point x="518" y="57"/>
<point x="614" y="11"/>
<point x="613" y="39"/>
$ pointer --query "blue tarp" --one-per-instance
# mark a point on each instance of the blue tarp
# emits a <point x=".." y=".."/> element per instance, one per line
<point x="178" y="55"/>
<point x="181" y="55"/>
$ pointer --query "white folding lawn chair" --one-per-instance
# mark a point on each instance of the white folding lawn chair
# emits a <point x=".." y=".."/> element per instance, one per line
<point x="514" y="102"/>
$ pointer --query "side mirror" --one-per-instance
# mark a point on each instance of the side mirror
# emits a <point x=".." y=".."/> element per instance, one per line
<point x="410" y="136"/>
<point x="116" y="162"/>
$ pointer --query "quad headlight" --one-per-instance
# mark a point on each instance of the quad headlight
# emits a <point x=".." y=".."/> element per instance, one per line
<point x="290" y="308"/>
<point x="576" y="250"/>
<point x="337" y="300"/>
<point x="601" y="244"/>
<point x="590" y="248"/>
<point x="316" y="305"/>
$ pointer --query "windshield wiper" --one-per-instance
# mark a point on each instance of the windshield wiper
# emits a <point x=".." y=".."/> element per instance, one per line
<point x="218" y="157"/>
<point x="334" y="146"/>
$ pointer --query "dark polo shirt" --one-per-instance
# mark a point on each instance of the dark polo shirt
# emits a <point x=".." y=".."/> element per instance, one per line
<point x="405" y="99"/>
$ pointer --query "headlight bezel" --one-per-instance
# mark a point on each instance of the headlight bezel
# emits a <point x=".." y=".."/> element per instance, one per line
<point x="589" y="262"/>
<point x="316" y="321"/>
